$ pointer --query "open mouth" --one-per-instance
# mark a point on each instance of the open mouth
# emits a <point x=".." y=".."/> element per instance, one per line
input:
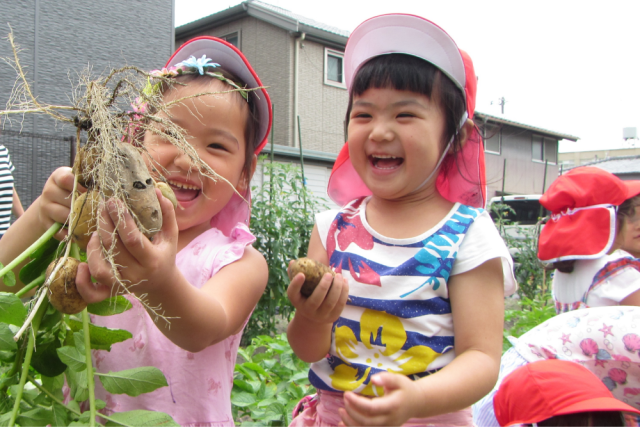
<point x="379" y="161"/>
<point x="184" y="192"/>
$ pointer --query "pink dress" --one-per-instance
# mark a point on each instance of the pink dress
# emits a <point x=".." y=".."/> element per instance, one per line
<point x="199" y="391"/>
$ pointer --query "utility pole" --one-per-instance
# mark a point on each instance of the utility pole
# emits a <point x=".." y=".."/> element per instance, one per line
<point x="501" y="101"/>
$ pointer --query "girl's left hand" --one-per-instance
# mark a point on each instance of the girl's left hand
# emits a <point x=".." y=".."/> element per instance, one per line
<point x="392" y="409"/>
<point x="139" y="261"/>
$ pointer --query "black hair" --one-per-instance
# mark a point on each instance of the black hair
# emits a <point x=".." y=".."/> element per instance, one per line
<point x="580" y="419"/>
<point x="405" y="72"/>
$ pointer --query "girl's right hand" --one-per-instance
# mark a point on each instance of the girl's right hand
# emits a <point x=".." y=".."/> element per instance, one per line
<point x="326" y="302"/>
<point x="54" y="205"/>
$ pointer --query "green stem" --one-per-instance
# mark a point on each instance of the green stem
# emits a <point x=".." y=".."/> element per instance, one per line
<point x="37" y="282"/>
<point x="31" y="249"/>
<point x="90" y="379"/>
<point x="75" y="251"/>
<point x="60" y="402"/>
<point x="27" y="360"/>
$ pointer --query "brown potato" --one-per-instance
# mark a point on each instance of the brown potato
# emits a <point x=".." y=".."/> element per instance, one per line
<point x="63" y="293"/>
<point x="313" y="271"/>
<point x="86" y="164"/>
<point x="140" y="190"/>
<point x="84" y="211"/>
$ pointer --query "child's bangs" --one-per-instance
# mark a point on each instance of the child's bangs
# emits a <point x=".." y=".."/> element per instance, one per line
<point x="396" y="71"/>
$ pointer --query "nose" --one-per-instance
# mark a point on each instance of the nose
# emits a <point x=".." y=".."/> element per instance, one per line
<point x="382" y="131"/>
<point x="182" y="160"/>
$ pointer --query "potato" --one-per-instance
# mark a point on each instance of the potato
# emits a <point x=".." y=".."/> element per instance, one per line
<point x="139" y="190"/>
<point x="84" y="211"/>
<point x="313" y="271"/>
<point x="167" y="192"/>
<point x="63" y="293"/>
<point x="86" y="164"/>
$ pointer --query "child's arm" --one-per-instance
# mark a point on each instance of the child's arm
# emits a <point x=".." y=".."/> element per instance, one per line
<point x="198" y="317"/>
<point x="477" y="304"/>
<point x="309" y="332"/>
<point x="52" y="206"/>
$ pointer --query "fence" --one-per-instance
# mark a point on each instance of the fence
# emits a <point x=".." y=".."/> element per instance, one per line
<point x="35" y="156"/>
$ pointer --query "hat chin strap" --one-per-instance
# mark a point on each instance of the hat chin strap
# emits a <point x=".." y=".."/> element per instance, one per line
<point x="444" y="153"/>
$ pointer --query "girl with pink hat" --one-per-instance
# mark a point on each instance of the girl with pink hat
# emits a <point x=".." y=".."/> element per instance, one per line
<point x="594" y="219"/>
<point x="200" y="268"/>
<point x="415" y="255"/>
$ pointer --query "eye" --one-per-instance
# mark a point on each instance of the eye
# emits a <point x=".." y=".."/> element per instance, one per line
<point x="360" y="115"/>
<point x="217" y="146"/>
<point x="405" y="115"/>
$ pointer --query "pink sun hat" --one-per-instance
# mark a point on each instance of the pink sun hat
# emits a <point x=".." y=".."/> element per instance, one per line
<point x="419" y="37"/>
<point x="232" y="60"/>
<point x="583" y="214"/>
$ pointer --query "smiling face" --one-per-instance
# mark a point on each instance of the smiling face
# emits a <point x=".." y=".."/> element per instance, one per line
<point x="395" y="141"/>
<point x="215" y="127"/>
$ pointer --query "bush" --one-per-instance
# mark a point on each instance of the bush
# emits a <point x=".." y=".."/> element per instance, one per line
<point x="269" y="384"/>
<point x="530" y="314"/>
<point x="282" y="218"/>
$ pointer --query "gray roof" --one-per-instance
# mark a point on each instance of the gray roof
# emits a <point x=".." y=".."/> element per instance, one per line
<point x="489" y="118"/>
<point x="274" y="15"/>
<point x="617" y="165"/>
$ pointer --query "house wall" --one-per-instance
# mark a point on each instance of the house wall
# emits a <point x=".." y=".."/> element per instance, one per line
<point x="269" y="49"/>
<point x="577" y="158"/>
<point x="59" y="39"/>
<point x="321" y="107"/>
<point x="523" y="175"/>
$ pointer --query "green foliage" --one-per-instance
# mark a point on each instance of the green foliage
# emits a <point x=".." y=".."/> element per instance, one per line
<point x="282" y="217"/>
<point x="530" y="314"/>
<point x="33" y="370"/>
<point x="523" y="244"/>
<point x="269" y="384"/>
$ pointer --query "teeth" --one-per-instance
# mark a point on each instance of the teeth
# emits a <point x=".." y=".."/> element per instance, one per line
<point x="378" y="156"/>
<point x="182" y="185"/>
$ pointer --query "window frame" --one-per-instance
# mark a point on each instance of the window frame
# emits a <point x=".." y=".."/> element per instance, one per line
<point x="238" y="33"/>
<point x="544" y="141"/>
<point x="498" y="133"/>
<point x="335" y="53"/>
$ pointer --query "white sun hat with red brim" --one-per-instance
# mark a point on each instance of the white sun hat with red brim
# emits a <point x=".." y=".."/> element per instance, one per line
<point x="233" y="61"/>
<point x="464" y="180"/>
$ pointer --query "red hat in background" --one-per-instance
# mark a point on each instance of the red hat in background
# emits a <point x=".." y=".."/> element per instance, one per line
<point x="416" y="36"/>
<point x="583" y="216"/>
<point x="544" y="389"/>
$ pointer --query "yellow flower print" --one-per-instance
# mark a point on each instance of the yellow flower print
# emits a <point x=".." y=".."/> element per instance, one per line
<point x="382" y="337"/>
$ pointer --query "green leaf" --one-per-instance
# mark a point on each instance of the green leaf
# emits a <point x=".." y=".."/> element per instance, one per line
<point x="242" y="384"/>
<point x="35" y="417"/>
<point x="78" y="384"/>
<point x="9" y="278"/>
<point x="6" y="338"/>
<point x="267" y="402"/>
<point x="110" y="306"/>
<point x="101" y="338"/>
<point x="256" y="368"/>
<point x="59" y="415"/>
<point x="12" y="311"/>
<point x="4" y="419"/>
<point x="74" y="359"/>
<point x="41" y="258"/>
<point x="300" y="377"/>
<point x="242" y="399"/>
<point x="46" y="359"/>
<point x="53" y="385"/>
<point x="141" y="418"/>
<point x="133" y="382"/>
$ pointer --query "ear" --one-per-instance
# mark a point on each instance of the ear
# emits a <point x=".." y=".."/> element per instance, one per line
<point x="245" y="180"/>
<point x="464" y="133"/>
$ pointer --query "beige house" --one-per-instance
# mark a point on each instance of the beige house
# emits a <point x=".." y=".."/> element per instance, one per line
<point x="578" y="158"/>
<point x="301" y="62"/>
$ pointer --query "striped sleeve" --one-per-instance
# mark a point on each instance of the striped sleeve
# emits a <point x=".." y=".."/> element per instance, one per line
<point x="6" y="189"/>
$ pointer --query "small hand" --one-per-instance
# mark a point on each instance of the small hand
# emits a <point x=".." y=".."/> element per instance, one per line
<point x="55" y="202"/>
<point x="392" y="409"/>
<point x="326" y="302"/>
<point x="139" y="261"/>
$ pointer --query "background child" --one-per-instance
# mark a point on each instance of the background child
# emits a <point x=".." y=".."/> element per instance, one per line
<point x="593" y="217"/>
<point x="200" y="268"/>
<point x="417" y="261"/>
<point x="557" y="393"/>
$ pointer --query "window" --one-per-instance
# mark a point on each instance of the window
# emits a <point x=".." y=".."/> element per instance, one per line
<point x="492" y="136"/>
<point x="334" y="68"/>
<point x="232" y="38"/>
<point x="544" y="149"/>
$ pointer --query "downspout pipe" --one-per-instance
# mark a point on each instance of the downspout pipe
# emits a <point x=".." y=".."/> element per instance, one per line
<point x="299" y="38"/>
